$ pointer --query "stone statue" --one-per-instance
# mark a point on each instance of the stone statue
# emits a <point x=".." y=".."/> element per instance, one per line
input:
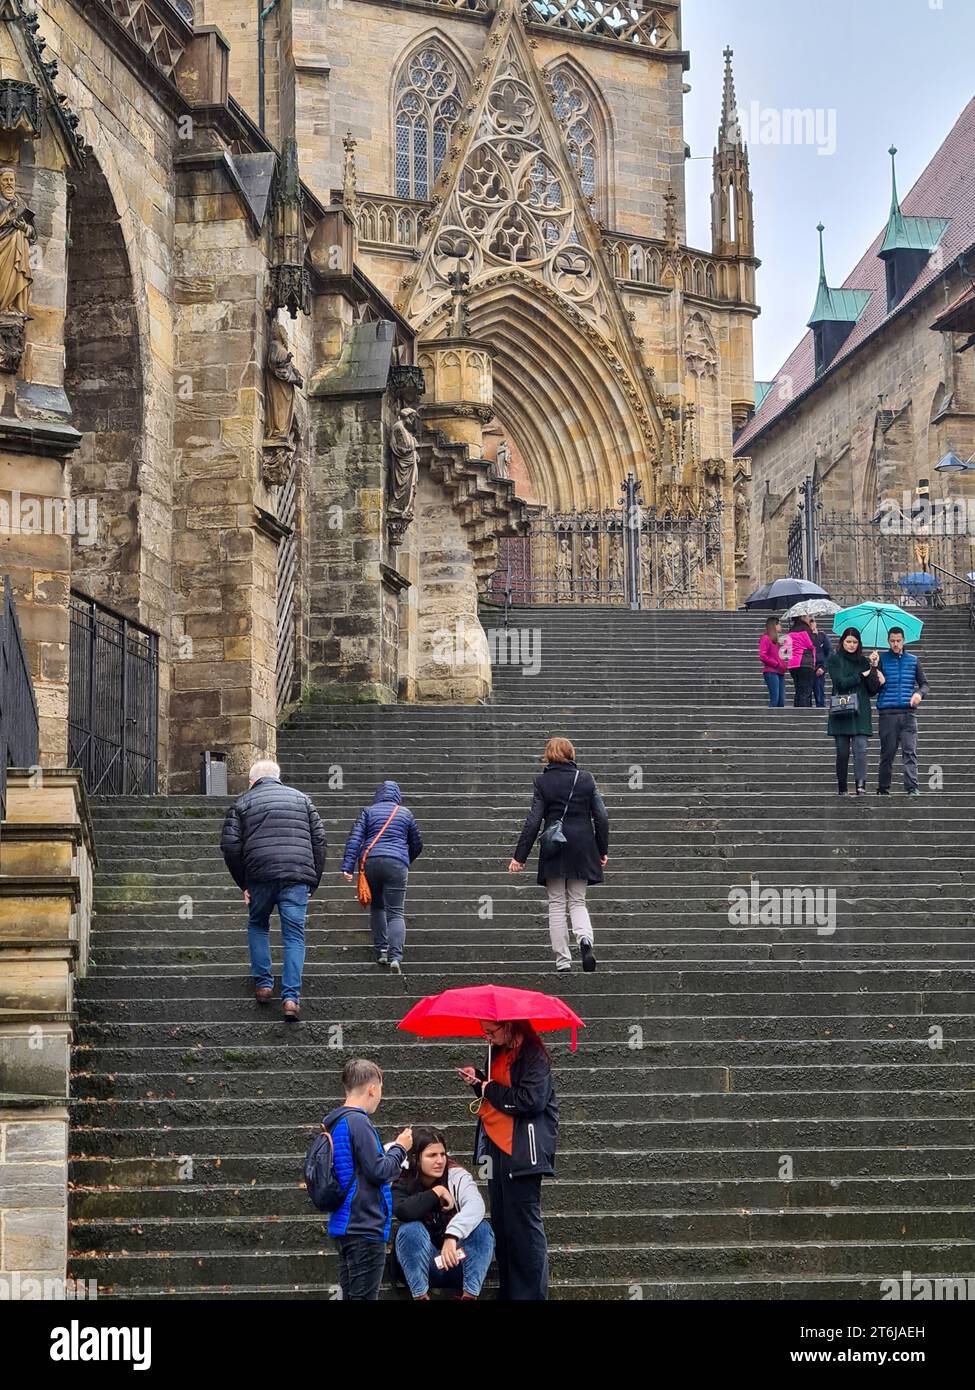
<point x="590" y="566"/>
<point x="499" y="469"/>
<point x="17" y="235"/>
<point x="616" y="568"/>
<point x="282" y="380"/>
<point x="404" y="470"/>
<point x="563" y="569"/>
<point x="741" y="531"/>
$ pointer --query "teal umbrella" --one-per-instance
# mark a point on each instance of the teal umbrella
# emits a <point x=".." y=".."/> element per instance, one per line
<point x="873" y="621"/>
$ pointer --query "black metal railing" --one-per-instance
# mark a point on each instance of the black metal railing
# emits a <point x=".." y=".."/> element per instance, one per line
<point x="969" y="583"/>
<point x="113" y="700"/>
<point x="18" y="706"/>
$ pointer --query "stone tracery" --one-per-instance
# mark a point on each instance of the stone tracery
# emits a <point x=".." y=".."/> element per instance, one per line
<point x="428" y="103"/>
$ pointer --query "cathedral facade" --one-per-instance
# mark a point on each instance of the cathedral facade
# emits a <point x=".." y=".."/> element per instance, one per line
<point x="306" y="317"/>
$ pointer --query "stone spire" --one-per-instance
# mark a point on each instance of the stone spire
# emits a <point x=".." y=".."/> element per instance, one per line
<point x="733" y="225"/>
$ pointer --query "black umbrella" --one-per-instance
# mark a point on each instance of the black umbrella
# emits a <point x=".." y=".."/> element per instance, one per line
<point x="784" y="593"/>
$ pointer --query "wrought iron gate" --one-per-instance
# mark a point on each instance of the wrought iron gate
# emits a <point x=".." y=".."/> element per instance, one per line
<point x="631" y="557"/>
<point x="286" y="577"/>
<point x="894" y="558"/>
<point x="113" y="701"/>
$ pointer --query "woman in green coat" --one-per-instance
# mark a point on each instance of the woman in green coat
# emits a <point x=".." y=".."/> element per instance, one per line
<point x="852" y="673"/>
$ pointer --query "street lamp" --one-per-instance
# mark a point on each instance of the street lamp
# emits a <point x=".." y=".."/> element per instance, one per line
<point x="951" y="463"/>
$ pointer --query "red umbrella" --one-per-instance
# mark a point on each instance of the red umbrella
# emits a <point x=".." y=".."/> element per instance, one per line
<point x="456" y="1013"/>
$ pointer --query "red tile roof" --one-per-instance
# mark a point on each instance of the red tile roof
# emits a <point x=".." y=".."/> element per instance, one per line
<point x="945" y="189"/>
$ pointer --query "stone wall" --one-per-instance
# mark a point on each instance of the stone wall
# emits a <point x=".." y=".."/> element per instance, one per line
<point x="871" y="430"/>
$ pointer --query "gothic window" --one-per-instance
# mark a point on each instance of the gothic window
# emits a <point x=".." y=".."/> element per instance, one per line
<point x="576" y="110"/>
<point x="427" y="105"/>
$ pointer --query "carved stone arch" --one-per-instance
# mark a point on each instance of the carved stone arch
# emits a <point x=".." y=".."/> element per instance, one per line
<point x="568" y="412"/>
<point x="432" y="38"/>
<point x="602" y="119"/>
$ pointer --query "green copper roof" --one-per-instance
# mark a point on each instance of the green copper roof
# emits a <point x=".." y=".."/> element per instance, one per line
<point x="836" y="306"/>
<point x="910" y="233"/>
<point x="762" y="388"/>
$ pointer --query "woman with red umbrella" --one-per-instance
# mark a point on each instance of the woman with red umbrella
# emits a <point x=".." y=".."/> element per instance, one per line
<point x="517" y="1131"/>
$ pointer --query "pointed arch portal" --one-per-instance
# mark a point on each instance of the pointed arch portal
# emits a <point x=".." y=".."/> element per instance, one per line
<point x="567" y="411"/>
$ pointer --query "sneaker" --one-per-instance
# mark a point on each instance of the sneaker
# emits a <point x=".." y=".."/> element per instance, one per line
<point x="563" y="967"/>
<point x="395" y="968"/>
<point x="291" y="1011"/>
<point x="588" y="959"/>
<point x="382" y="958"/>
<point x="842" y="791"/>
<point x="915" y="791"/>
<point x="881" y="792"/>
<point x="861" y="789"/>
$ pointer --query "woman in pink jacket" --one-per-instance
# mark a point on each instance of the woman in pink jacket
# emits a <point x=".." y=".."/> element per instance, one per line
<point x="802" y="663"/>
<point x="773" y="662"/>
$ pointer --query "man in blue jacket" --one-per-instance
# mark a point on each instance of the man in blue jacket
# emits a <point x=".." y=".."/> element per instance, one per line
<point x="904" y="689"/>
<point x="360" y="1227"/>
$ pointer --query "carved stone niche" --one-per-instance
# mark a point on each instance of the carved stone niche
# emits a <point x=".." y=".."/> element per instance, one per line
<point x="20" y="115"/>
<point x="13" y="342"/>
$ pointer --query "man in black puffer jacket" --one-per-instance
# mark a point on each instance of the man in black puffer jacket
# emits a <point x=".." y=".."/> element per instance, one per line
<point x="273" y="843"/>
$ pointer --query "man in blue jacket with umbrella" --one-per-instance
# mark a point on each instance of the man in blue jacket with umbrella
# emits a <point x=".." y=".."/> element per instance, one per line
<point x="904" y="689"/>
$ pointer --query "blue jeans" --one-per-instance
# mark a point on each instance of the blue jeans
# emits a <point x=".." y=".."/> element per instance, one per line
<point x="819" y="690"/>
<point x="387" y="878"/>
<point x="291" y="900"/>
<point x="776" y="690"/>
<point x="416" y="1252"/>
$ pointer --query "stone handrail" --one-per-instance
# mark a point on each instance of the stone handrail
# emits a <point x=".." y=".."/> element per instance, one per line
<point x="390" y="222"/>
<point x="646" y="261"/>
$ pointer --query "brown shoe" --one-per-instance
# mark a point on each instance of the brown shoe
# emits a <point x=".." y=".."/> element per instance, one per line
<point x="291" y="1011"/>
<point x="263" y="994"/>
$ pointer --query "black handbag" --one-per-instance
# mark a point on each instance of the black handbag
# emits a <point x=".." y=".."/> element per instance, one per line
<point x="553" y="836"/>
<point x="845" y="704"/>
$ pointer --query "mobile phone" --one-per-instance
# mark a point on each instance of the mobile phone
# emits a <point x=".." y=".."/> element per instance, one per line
<point x="461" y="1255"/>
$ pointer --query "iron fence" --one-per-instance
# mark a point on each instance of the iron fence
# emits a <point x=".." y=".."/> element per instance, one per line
<point x="614" y="558"/>
<point x="18" y="705"/>
<point x="912" y="564"/>
<point x="113" y="700"/>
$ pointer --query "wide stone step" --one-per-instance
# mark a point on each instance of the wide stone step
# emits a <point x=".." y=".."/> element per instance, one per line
<point x="740" y="1196"/>
<point x="616" y="1260"/>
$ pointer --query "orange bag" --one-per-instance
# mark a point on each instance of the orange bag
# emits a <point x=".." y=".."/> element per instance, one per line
<point x="362" y="890"/>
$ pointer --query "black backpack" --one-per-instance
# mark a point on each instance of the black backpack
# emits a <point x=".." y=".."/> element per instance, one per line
<point x="324" y="1188"/>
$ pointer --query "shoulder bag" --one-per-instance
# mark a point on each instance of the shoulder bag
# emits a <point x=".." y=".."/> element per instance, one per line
<point x="362" y="890"/>
<point x="553" y="836"/>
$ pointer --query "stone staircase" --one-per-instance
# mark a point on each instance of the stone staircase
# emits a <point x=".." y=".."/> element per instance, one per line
<point x="754" y="1111"/>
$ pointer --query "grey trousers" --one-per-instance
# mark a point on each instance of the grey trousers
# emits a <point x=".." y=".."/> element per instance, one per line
<point x="387" y="879"/>
<point x="898" y="729"/>
<point x="843" y="744"/>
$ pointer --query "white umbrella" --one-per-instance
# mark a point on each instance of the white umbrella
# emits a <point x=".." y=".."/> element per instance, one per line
<point x="813" y="608"/>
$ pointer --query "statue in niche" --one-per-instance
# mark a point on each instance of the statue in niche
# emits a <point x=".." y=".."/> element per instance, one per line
<point x="17" y="236"/>
<point x="499" y="469"/>
<point x="741" y="530"/>
<point x="282" y="382"/>
<point x="404" y="472"/>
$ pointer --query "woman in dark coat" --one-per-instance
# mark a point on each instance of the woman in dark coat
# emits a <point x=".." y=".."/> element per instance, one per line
<point x="517" y="1133"/>
<point x="564" y="792"/>
<point x="852" y="673"/>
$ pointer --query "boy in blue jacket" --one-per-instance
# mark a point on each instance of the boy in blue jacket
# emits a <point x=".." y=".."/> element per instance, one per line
<point x="360" y="1227"/>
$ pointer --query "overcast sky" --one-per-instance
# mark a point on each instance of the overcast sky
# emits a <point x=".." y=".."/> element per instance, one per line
<point x="872" y="72"/>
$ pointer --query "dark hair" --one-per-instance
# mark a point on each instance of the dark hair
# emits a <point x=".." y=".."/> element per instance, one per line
<point x="853" y="632"/>
<point x="896" y="632"/>
<point x="358" y="1073"/>
<point x="411" y="1180"/>
<point x="769" y="622"/>
<point x="523" y="1032"/>
<point x="798" y="624"/>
